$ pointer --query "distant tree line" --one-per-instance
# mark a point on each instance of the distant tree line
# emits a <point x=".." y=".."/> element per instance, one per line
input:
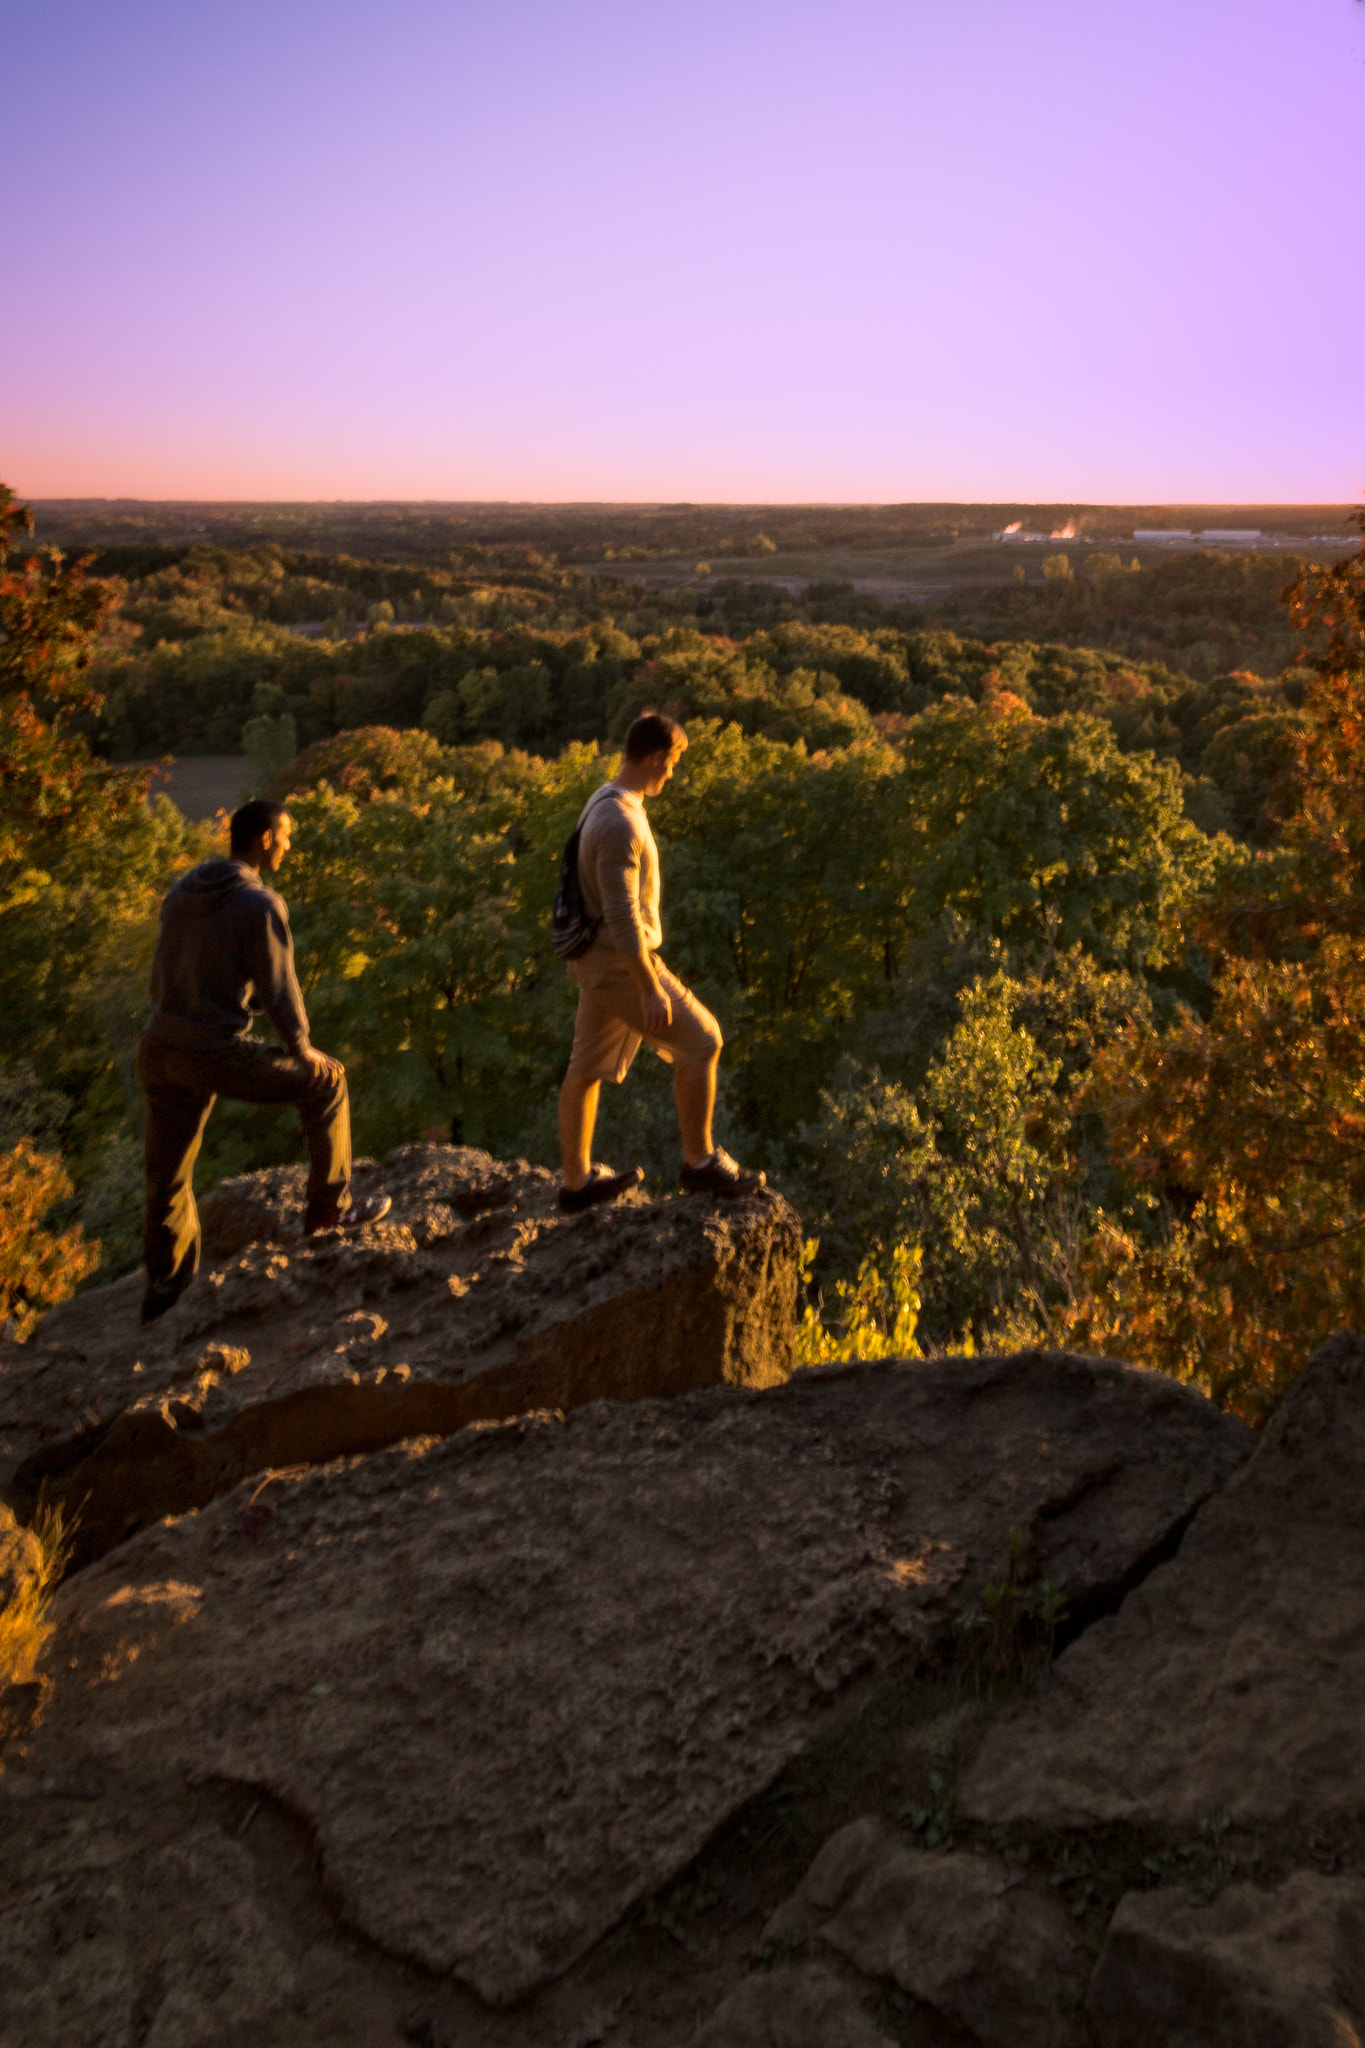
<point x="580" y="534"/>
<point x="210" y="651"/>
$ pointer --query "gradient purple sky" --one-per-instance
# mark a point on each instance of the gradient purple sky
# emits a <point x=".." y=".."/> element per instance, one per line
<point x="880" y="250"/>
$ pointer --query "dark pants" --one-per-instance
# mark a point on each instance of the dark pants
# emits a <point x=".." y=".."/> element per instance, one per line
<point x="181" y="1088"/>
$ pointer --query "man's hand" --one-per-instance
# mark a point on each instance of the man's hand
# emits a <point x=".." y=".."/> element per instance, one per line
<point x="656" y="1011"/>
<point x="326" y="1068"/>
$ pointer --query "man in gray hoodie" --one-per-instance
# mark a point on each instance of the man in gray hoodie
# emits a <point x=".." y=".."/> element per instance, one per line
<point x="225" y="955"/>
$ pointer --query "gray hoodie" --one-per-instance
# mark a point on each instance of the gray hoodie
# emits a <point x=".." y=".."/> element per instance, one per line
<point x="225" y="953"/>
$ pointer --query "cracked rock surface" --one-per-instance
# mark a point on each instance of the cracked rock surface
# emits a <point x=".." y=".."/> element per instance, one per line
<point x="960" y="1934"/>
<point x="1231" y="1681"/>
<point x="475" y="1298"/>
<point x="802" y="2007"/>
<point x="1255" y="1969"/>
<point x="511" y="1682"/>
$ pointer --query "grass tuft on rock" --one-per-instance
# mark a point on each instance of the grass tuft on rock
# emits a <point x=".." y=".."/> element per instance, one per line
<point x="24" y="1626"/>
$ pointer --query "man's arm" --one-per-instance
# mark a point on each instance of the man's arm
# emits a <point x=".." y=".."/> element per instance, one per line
<point x="618" y="882"/>
<point x="277" y="986"/>
<point x="656" y="1011"/>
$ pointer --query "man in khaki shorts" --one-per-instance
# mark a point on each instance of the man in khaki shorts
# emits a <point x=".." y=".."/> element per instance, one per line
<point x="626" y="996"/>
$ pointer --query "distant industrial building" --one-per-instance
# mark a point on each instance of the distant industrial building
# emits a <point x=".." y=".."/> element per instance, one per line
<point x="1208" y="536"/>
<point x="1181" y="536"/>
<point x="1016" y="533"/>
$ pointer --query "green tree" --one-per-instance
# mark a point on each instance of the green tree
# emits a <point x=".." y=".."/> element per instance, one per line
<point x="269" y="744"/>
<point x="421" y="921"/>
<point x="443" y="717"/>
<point x="1031" y="827"/>
<point x="971" y="1142"/>
<point x="366" y="759"/>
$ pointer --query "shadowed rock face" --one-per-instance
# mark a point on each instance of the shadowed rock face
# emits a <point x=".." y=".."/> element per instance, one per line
<point x="1232" y="1680"/>
<point x="958" y="1933"/>
<point x="512" y="1682"/>
<point x="475" y="1299"/>
<point x="804" y="2007"/>
<point x="1256" y="1969"/>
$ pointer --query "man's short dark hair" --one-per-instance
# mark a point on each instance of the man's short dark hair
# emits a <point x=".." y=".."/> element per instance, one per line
<point x="248" y="823"/>
<point x="653" y="732"/>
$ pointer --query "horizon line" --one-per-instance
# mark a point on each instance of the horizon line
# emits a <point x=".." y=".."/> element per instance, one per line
<point x="745" y="504"/>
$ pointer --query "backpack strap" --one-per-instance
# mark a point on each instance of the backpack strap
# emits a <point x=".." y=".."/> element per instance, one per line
<point x="603" y="789"/>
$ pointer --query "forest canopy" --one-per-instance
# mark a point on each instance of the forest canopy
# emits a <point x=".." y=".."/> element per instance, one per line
<point x="966" y="891"/>
<point x="207" y="650"/>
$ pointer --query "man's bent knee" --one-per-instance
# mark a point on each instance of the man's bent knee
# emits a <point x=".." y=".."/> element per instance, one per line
<point x="705" y="1053"/>
<point x="325" y="1092"/>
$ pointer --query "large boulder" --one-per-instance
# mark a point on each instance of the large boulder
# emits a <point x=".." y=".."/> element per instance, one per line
<point x="1233" y="1680"/>
<point x="962" y="1935"/>
<point x="1256" y="1969"/>
<point x="476" y="1299"/>
<point x="802" y="2007"/>
<point x="510" y="1683"/>
<point x="165" y="1945"/>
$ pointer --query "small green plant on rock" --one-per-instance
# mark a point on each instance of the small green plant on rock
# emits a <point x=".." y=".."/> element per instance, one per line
<point x="1094" y="1870"/>
<point x="1073" y="1874"/>
<point x="1202" y="1862"/>
<point x="687" y="1902"/>
<point x="1010" y="1636"/>
<point x="935" y="1822"/>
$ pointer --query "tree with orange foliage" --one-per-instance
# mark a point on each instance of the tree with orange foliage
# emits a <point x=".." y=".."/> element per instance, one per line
<point x="39" y="1266"/>
<point x="1248" y="1129"/>
<point x="51" y="784"/>
<point x="76" y="842"/>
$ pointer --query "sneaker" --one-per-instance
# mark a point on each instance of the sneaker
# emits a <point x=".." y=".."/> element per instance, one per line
<point x="721" y="1175"/>
<point x="371" y="1210"/>
<point x="602" y="1185"/>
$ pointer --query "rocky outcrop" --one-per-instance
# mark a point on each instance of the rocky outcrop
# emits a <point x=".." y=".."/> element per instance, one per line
<point x="1255" y="1969"/>
<point x="965" y="1937"/>
<point x="145" y="1942"/>
<point x="475" y="1299"/>
<point x="442" y="1682"/>
<point x="509" y="1684"/>
<point x="802" y="2007"/>
<point x="1231" y="1681"/>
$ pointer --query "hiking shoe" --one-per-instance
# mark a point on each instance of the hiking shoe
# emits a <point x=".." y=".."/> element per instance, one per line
<point x="371" y="1210"/>
<point x="721" y="1175"/>
<point x="602" y="1185"/>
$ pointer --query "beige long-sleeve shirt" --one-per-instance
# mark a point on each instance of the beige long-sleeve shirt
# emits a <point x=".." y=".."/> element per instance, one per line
<point x="618" y="871"/>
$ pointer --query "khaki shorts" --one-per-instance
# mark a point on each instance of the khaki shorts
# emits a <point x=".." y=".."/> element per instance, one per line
<point x="608" y="1030"/>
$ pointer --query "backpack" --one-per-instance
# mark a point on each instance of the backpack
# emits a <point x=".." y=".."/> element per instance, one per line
<point x="572" y="931"/>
